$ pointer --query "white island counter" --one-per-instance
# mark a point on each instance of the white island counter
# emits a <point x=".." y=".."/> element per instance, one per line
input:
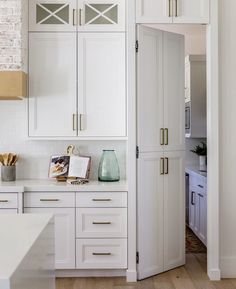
<point x="26" y="252"/>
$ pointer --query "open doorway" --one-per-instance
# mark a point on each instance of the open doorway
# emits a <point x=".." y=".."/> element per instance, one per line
<point x="195" y="128"/>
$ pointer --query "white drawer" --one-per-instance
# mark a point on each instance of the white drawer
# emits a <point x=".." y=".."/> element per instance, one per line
<point x="102" y="200"/>
<point x="101" y="223"/>
<point x="101" y="254"/>
<point x="198" y="182"/>
<point x="49" y="200"/>
<point x="8" y="200"/>
<point x="8" y="211"/>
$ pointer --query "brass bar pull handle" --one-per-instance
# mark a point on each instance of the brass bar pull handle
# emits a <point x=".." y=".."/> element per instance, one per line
<point x="166" y="136"/>
<point x="80" y="17"/>
<point x="81" y="122"/>
<point x="162" y="166"/>
<point x="166" y="166"/>
<point x="176" y="8"/>
<point x="162" y="136"/>
<point x="74" y="122"/>
<point x="169" y="8"/>
<point x="101" y="254"/>
<point x="4" y="201"/>
<point x="101" y="223"/>
<point x="101" y="200"/>
<point x="49" y="200"/>
<point x="200" y="186"/>
<point x="192" y="202"/>
<point x="74" y="17"/>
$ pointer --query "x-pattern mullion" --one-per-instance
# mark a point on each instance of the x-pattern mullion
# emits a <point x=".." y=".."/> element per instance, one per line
<point x="101" y="14"/>
<point x="52" y="13"/>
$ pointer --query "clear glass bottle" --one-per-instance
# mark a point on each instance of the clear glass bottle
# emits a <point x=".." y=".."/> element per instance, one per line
<point x="108" y="167"/>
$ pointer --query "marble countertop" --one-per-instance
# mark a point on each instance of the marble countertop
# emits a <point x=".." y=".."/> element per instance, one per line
<point x="54" y="186"/>
<point x="16" y="242"/>
<point x="194" y="170"/>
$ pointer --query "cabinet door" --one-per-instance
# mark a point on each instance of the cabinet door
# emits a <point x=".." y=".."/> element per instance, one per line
<point x="174" y="210"/>
<point x="102" y="85"/>
<point x="150" y="214"/>
<point x="101" y="15"/>
<point x="191" y="11"/>
<point x="52" y="84"/>
<point x="174" y="103"/>
<point x="150" y="105"/>
<point x="64" y="219"/>
<point x="202" y="207"/>
<point x="52" y="15"/>
<point x="153" y="11"/>
<point x="192" y="207"/>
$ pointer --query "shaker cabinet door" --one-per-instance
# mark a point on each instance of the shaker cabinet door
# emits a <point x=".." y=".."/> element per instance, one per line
<point x="52" y="15"/>
<point x="101" y="15"/>
<point x="64" y="219"/>
<point x="52" y="84"/>
<point x="153" y="11"/>
<point x="102" y="85"/>
<point x="191" y="11"/>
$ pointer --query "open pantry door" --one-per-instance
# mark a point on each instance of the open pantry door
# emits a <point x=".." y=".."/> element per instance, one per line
<point x="160" y="140"/>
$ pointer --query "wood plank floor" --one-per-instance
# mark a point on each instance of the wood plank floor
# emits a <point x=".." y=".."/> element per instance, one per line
<point x="191" y="276"/>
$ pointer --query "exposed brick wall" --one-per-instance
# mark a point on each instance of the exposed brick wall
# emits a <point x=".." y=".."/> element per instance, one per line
<point x="13" y="34"/>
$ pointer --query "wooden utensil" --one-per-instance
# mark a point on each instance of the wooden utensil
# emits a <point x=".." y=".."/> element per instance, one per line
<point x="10" y="159"/>
<point x="1" y="160"/>
<point x="15" y="159"/>
<point x="5" y="159"/>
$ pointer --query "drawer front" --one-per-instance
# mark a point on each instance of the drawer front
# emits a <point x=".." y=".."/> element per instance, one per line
<point x="198" y="183"/>
<point x="101" y="254"/>
<point x="8" y="201"/>
<point x="101" y="223"/>
<point x="49" y="200"/>
<point x="102" y="200"/>
<point x="8" y="211"/>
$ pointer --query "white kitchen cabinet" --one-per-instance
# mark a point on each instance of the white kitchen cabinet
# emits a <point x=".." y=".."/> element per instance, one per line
<point x="101" y="230"/>
<point x="196" y="96"/>
<point x="52" y="84"/>
<point x="55" y="107"/>
<point x="160" y="91"/>
<point x="76" y="15"/>
<point x="172" y="11"/>
<point x="198" y="208"/>
<point x="160" y="212"/>
<point x="101" y="15"/>
<point x="52" y="15"/>
<point x="101" y="84"/>
<point x="64" y="219"/>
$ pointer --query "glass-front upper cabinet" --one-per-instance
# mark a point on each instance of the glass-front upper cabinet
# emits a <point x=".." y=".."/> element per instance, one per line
<point x="101" y="15"/>
<point x="73" y="15"/>
<point x="52" y="15"/>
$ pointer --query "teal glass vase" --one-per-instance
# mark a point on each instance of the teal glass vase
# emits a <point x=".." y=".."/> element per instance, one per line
<point x="108" y="167"/>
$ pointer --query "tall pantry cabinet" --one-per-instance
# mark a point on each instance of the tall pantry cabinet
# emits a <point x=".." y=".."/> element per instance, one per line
<point x="77" y="69"/>
<point x="161" y="151"/>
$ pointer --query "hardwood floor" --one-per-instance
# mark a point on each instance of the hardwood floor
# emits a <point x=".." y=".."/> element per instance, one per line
<point x="191" y="276"/>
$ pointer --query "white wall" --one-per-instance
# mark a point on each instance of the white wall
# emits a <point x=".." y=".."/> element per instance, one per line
<point x="227" y="45"/>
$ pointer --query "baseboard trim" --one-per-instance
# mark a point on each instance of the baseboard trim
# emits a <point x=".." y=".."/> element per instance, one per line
<point x="131" y="275"/>
<point x="214" y="274"/>
<point x="228" y="267"/>
<point x="90" y="273"/>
